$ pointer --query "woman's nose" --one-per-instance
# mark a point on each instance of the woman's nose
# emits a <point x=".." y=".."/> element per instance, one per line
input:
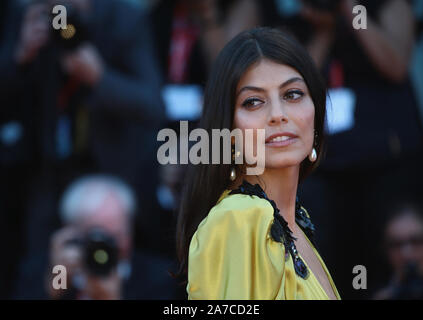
<point x="277" y="113"/>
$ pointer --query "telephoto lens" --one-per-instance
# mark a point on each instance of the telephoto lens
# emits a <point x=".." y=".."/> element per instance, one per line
<point x="100" y="252"/>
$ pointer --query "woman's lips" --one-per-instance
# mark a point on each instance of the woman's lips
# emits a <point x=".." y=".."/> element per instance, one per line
<point x="281" y="140"/>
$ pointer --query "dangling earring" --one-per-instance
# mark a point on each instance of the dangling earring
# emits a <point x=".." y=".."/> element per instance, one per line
<point x="313" y="155"/>
<point x="232" y="175"/>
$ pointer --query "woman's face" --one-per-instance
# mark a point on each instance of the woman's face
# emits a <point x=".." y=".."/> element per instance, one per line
<point x="274" y="97"/>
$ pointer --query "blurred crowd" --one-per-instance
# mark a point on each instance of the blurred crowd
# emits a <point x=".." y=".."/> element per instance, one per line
<point x="80" y="184"/>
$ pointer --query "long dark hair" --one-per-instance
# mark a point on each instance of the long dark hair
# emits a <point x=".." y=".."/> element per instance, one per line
<point x="206" y="182"/>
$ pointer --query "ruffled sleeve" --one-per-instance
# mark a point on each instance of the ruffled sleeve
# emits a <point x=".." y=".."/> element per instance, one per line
<point x="232" y="255"/>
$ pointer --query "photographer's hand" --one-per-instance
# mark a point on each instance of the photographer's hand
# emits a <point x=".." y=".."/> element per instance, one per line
<point x="323" y="23"/>
<point x="34" y="33"/>
<point x="85" y="64"/>
<point x="69" y="256"/>
<point x="388" y="41"/>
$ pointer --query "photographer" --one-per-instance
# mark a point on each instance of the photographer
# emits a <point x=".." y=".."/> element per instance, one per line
<point x="403" y="246"/>
<point x="93" y="102"/>
<point x="95" y="246"/>
<point x="93" y="203"/>
<point x="17" y="146"/>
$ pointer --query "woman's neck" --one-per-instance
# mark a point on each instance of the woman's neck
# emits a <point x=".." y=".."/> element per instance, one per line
<point x="280" y="186"/>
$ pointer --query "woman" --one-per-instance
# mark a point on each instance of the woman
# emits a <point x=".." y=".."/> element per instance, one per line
<point x="247" y="237"/>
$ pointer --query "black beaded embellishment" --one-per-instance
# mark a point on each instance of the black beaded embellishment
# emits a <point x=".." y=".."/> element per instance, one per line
<point x="279" y="230"/>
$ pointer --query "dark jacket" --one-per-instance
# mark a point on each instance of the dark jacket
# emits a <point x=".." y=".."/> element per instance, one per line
<point x="123" y="113"/>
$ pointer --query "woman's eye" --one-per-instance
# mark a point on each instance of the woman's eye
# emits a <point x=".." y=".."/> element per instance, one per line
<point x="251" y="103"/>
<point x="293" y="95"/>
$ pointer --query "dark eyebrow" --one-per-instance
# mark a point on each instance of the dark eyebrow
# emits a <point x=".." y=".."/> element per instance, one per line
<point x="287" y="82"/>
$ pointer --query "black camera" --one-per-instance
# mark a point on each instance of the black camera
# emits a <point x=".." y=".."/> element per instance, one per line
<point x="75" y="33"/>
<point x="100" y="251"/>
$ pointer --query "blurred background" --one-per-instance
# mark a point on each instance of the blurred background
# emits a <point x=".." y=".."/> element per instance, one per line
<point x="80" y="110"/>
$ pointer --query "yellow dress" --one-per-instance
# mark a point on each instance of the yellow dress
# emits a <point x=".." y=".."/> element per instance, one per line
<point x="233" y="256"/>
